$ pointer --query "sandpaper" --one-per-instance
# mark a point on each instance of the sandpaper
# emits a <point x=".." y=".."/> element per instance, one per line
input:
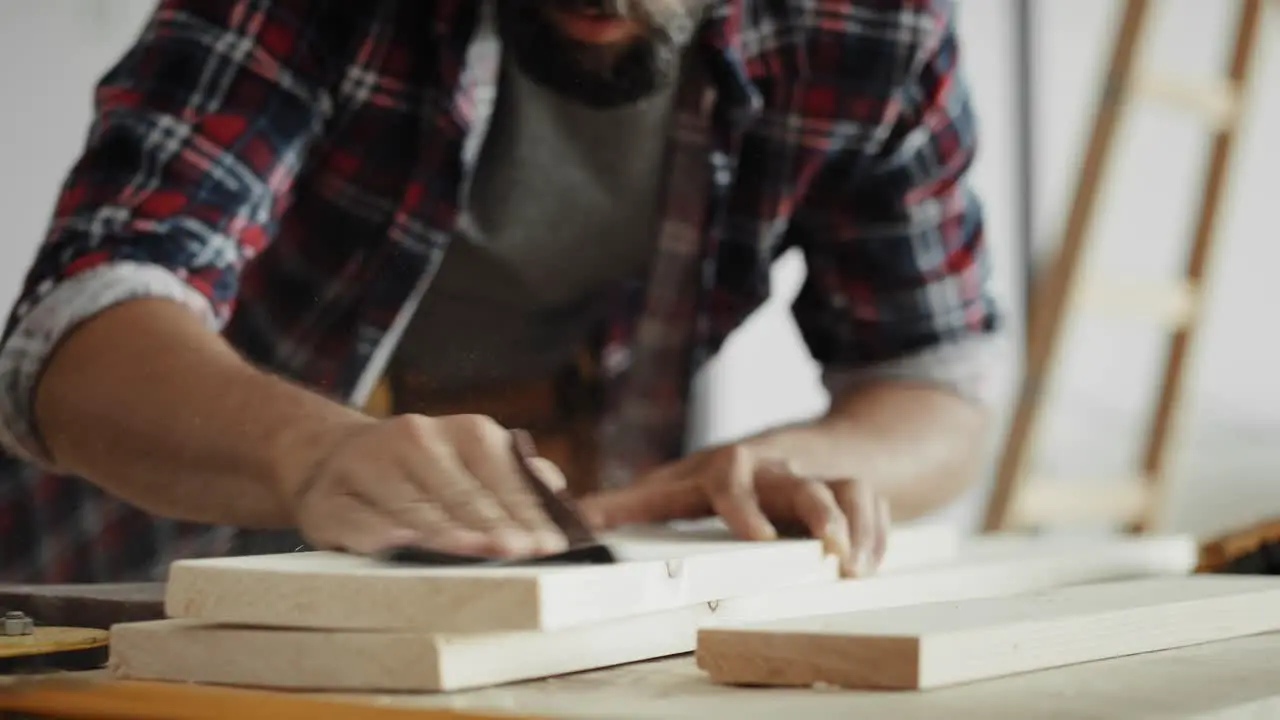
<point x="593" y="554"/>
<point x="584" y="547"/>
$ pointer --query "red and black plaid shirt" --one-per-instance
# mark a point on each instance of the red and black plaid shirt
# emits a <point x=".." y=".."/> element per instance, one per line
<point x="293" y="168"/>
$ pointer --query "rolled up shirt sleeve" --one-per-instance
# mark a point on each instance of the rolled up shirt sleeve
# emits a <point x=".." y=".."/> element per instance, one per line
<point x="26" y="352"/>
<point x="975" y="369"/>
<point x="199" y="131"/>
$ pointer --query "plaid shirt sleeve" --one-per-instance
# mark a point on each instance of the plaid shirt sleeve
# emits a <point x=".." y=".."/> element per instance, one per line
<point x="198" y="132"/>
<point x="892" y="236"/>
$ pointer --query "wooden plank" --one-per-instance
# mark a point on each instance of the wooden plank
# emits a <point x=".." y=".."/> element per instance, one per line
<point x="663" y="569"/>
<point x="185" y="651"/>
<point x="1227" y="680"/>
<point x="939" y="644"/>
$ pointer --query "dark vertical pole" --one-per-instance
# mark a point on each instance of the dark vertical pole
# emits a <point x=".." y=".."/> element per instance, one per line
<point x="1021" y="79"/>
<point x="1024" y="68"/>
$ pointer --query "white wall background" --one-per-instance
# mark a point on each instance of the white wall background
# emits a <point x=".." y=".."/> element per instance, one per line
<point x="51" y="51"/>
<point x="1228" y="450"/>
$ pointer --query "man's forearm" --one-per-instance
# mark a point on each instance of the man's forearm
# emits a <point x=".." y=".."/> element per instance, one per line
<point x="148" y="403"/>
<point x="921" y="446"/>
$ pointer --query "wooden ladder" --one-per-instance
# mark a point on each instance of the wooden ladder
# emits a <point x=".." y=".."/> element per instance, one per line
<point x="1134" y="504"/>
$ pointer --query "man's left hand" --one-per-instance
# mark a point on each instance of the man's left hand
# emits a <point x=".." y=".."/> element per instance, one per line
<point x="758" y="499"/>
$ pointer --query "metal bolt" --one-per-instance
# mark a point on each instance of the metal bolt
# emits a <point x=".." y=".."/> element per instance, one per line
<point x="16" y="623"/>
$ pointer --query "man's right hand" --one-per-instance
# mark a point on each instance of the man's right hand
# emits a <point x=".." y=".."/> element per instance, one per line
<point x="452" y="484"/>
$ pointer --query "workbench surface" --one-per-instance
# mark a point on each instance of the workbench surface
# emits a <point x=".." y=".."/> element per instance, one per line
<point x="1235" y="679"/>
<point x="1230" y="680"/>
<point x="1224" y="680"/>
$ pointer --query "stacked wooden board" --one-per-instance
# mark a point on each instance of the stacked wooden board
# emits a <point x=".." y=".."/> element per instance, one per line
<point x="318" y="621"/>
<point x="337" y="621"/>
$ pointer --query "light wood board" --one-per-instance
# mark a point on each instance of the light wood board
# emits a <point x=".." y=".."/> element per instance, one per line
<point x="185" y="651"/>
<point x="662" y="569"/>
<point x="946" y="643"/>
<point x="1228" y="680"/>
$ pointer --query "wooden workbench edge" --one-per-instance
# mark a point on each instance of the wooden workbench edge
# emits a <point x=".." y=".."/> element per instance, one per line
<point x="105" y="699"/>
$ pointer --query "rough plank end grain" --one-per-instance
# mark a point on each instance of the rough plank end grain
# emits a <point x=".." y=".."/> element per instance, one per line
<point x="885" y="663"/>
<point x="337" y="591"/>
<point x="947" y="643"/>
<point x="278" y="659"/>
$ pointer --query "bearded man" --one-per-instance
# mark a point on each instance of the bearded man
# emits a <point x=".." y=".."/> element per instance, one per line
<point x="302" y="285"/>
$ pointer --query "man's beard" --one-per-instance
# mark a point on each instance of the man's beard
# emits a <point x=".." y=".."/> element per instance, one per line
<point x="599" y="76"/>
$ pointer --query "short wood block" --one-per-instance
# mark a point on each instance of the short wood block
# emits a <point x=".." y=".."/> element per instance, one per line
<point x="945" y="643"/>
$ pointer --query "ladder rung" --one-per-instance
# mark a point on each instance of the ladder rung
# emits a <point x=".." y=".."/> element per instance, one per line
<point x="1216" y="103"/>
<point x="1172" y="304"/>
<point x="1043" y="502"/>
